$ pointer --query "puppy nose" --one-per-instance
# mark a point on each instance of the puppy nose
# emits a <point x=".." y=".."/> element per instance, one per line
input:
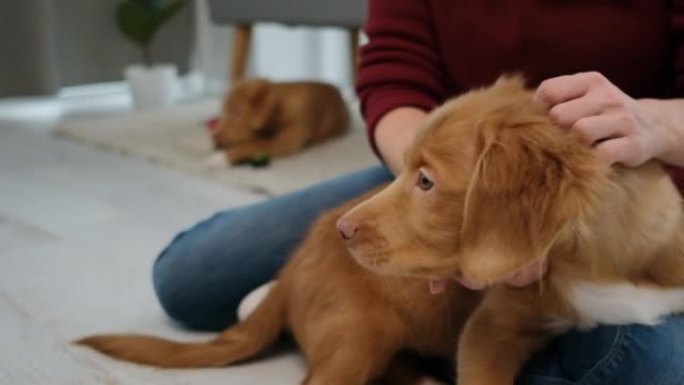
<point x="347" y="228"/>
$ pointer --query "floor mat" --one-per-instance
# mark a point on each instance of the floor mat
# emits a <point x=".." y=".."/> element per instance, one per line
<point x="176" y="138"/>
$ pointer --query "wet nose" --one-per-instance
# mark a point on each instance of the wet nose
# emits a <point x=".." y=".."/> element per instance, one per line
<point x="347" y="228"/>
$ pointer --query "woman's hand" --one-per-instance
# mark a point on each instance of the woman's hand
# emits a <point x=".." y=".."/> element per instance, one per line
<point x="522" y="277"/>
<point x="620" y="128"/>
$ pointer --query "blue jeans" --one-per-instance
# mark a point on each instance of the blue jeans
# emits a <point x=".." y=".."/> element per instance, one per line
<point x="202" y="276"/>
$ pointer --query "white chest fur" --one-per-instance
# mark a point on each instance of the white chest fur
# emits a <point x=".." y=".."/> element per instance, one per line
<point x="619" y="304"/>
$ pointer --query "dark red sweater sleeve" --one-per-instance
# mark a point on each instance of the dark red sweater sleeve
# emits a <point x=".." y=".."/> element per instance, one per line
<point x="400" y="64"/>
<point x="678" y="44"/>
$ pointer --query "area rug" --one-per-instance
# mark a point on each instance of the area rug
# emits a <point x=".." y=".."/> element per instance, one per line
<point x="176" y="138"/>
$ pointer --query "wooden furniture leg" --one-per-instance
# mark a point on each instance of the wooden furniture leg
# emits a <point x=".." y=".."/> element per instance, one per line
<point x="241" y="42"/>
<point x="354" y="52"/>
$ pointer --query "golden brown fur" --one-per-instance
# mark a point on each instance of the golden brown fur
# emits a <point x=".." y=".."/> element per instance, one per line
<point x="348" y="322"/>
<point x="509" y="188"/>
<point x="263" y="117"/>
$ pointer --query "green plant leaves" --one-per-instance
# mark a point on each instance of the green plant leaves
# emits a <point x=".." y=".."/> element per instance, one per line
<point x="169" y="10"/>
<point x="139" y="20"/>
<point x="135" y="22"/>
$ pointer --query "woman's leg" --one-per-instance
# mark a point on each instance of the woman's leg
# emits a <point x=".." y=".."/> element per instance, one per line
<point x="613" y="355"/>
<point x="203" y="274"/>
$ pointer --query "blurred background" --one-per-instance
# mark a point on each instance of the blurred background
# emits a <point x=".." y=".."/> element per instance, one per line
<point x="53" y="47"/>
<point x="101" y="167"/>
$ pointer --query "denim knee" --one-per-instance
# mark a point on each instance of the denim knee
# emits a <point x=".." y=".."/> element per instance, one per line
<point x="651" y="355"/>
<point x="190" y="280"/>
<point x="204" y="273"/>
<point x="179" y="302"/>
<point x="612" y="355"/>
<point x="175" y="285"/>
<point x="202" y="276"/>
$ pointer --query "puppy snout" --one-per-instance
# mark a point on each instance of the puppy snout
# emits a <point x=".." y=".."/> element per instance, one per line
<point x="347" y="228"/>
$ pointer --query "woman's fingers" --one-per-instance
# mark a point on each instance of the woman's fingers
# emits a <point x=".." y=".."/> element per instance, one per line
<point x="568" y="113"/>
<point x="625" y="150"/>
<point x="558" y="90"/>
<point x="568" y="87"/>
<point x="594" y="129"/>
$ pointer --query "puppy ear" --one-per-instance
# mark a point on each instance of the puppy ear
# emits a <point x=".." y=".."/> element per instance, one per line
<point x="512" y="84"/>
<point x="513" y="205"/>
<point x="262" y="101"/>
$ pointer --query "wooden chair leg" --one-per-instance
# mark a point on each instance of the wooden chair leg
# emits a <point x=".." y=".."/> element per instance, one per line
<point x="354" y="52"/>
<point x="241" y="43"/>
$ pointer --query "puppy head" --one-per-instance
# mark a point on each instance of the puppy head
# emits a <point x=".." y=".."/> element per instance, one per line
<point x="489" y="184"/>
<point x="247" y="113"/>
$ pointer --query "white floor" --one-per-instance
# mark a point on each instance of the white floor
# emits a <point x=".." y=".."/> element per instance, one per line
<point x="79" y="230"/>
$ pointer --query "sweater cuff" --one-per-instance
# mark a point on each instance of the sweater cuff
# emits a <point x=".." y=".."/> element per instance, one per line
<point x="376" y="104"/>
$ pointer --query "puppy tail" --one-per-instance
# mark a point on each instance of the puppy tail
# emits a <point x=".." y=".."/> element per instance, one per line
<point x="237" y="343"/>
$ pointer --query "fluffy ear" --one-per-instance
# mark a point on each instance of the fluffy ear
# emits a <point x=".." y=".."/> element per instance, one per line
<point x="511" y="84"/>
<point x="513" y="206"/>
<point x="261" y="99"/>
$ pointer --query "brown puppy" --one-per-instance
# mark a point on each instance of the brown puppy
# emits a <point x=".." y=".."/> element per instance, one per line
<point x="263" y="117"/>
<point x="491" y="185"/>
<point x="348" y="321"/>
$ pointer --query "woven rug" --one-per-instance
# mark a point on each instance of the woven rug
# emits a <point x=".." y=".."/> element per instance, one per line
<point x="176" y="138"/>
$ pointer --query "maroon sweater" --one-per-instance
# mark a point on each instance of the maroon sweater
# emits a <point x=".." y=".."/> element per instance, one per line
<point x="420" y="52"/>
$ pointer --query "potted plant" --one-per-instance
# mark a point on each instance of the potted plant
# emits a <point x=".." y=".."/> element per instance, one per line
<point x="152" y="85"/>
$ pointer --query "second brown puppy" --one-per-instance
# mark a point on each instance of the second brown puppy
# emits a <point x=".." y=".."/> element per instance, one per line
<point x="265" y="118"/>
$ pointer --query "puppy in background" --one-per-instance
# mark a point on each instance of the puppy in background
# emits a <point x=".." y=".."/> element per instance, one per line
<point x="266" y="119"/>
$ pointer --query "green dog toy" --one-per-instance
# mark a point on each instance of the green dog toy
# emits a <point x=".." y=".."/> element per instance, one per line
<point x="259" y="160"/>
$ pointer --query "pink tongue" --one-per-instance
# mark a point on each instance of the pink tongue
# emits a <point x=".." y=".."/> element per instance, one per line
<point x="437" y="286"/>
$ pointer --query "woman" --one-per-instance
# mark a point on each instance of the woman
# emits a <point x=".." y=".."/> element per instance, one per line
<point x="611" y="70"/>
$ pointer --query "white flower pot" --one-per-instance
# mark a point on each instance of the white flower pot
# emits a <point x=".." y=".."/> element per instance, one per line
<point x="152" y="87"/>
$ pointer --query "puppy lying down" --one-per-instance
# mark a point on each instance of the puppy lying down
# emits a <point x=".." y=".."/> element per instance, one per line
<point x="490" y="185"/>
<point x="263" y="118"/>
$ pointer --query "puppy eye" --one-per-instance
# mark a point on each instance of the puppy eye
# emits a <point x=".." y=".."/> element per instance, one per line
<point x="424" y="183"/>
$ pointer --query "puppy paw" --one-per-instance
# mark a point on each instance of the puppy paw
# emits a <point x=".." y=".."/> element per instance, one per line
<point x="236" y="157"/>
<point x="216" y="160"/>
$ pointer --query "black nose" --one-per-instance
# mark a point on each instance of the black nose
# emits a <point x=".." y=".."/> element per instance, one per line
<point x="347" y="228"/>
